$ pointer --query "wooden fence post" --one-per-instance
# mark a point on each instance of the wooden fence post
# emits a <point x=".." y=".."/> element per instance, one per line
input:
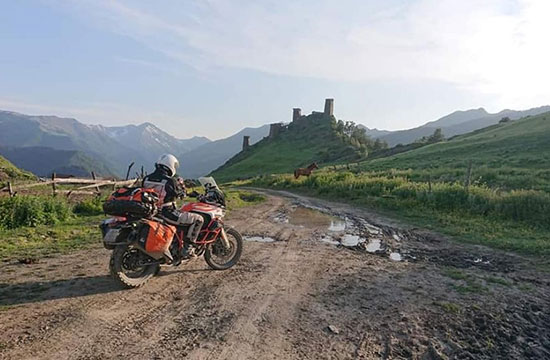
<point x="468" y="176"/>
<point x="128" y="172"/>
<point x="97" y="187"/>
<point x="54" y="190"/>
<point x="430" y="183"/>
<point x="10" y="190"/>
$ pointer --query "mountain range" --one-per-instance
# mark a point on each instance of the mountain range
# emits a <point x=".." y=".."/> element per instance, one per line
<point x="46" y="144"/>
<point x="456" y="123"/>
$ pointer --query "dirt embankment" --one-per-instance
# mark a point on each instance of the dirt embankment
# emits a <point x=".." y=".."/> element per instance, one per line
<point x="319" y="281"/>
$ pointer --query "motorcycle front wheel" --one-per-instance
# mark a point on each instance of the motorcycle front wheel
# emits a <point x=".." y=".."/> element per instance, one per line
<point x="126" y="269"/>
<point x="218" y="257"/>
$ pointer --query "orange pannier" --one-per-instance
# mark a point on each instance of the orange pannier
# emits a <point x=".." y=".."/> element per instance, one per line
<point x="156" y="238"/>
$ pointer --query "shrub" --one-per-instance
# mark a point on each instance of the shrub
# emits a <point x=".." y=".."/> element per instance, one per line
<point x="32" y="211"/>
<point x="528" y="206"/>
<point x="89" y="207"/>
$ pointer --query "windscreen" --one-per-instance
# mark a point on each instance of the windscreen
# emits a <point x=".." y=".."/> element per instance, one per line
<point x="208" y="180"/>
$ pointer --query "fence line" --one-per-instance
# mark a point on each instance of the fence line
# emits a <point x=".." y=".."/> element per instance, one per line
<point x="88" y="184"/>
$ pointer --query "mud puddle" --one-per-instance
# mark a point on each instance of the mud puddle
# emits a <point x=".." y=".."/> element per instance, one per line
<point x="313" y="218"/>
<point x="347" y="231"/>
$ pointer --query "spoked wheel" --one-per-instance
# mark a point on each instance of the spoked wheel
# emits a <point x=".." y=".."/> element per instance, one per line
<point x="128" y="267"/>
<point x="218" y="257"/>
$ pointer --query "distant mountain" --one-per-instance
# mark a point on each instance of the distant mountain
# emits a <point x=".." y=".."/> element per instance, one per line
<point x="207" y="157"/>
<point x="150" y="141"/>
<point x="105" y="149"/>
<point x="42" y="161"/>
<point x="458" y="117"/>
<point x="374" y="133"/>
<point x="18" y="130"/>
<point x="458" y="122"/>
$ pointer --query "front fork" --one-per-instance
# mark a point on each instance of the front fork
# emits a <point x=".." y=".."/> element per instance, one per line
<point x="225" y="242"/>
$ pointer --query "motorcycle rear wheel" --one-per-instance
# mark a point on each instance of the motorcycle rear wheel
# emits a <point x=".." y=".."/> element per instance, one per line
<point x="219" y="258"/>
<point x="121" y="272"/>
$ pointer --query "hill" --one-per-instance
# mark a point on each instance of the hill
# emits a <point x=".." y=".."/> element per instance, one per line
<point x="8" y="171"/>
<point x="312" y="138"/>
<point x="42" y="161"/>
<point x="209" y="156"/>
<point x="510" y="155"/>
<point x="456" y="123"/>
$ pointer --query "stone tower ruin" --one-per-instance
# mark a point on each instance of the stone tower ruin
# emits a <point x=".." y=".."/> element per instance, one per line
<point x="329" y="107"/>
<point x="274" y="130"/>
<point x="246" y="142"/>
<point x="296" y="114"/>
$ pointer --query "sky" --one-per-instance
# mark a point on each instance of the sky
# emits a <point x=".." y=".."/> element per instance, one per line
<point x="212" y="67"/>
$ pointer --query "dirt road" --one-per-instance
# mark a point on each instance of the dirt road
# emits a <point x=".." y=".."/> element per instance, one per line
<point x="298" y="293"/>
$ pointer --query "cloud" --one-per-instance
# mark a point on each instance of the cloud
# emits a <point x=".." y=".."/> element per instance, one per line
<point x="492" y="47"/>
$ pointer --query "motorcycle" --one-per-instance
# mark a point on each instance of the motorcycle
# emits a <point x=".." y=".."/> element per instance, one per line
<point x="141" y="245"/>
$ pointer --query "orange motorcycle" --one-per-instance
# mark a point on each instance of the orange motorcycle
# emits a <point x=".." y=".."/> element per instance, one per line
<point x="141" y="241"/>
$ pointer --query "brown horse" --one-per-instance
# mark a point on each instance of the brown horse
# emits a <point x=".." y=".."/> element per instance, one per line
<point x="305" y="172"/>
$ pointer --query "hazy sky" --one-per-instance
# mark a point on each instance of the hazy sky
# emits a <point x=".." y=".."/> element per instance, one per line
<point x="212" y="67"/>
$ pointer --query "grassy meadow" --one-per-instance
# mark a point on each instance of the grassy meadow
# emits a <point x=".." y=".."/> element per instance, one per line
<point x="513" y="155"/>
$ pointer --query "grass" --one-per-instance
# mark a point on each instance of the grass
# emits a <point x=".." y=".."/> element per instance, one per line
<point x="239" y="198"/>
<point x="470" y="287"/>
<point x="455" y="274"/>
<point x="449" y="307"/>
<point x="497" y="280"/>
<point x="43" y="240"/>
<point x="8" y="172"/>
<point x="32" y="211"/>
<point x="469" y="284"/>
<point x="466" y="283"/>
<point x="507" y="156"/>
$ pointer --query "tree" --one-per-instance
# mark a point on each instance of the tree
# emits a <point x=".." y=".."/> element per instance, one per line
<point x="437" y="136"/>
<point x="505" y="120"/>
<point x="379" y="145"/>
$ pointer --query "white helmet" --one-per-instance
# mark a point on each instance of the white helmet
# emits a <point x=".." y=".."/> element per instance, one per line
<point x="170" y="162"/>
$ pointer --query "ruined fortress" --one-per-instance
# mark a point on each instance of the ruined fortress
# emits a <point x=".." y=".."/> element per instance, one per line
<point x="276" y="128"/>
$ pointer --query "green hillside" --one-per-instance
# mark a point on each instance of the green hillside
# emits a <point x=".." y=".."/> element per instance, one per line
<point x="313" y="138"/>
<point x="505" y="205"/>
<point x="8" y="171"/>
<point x="513" y="155"/>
